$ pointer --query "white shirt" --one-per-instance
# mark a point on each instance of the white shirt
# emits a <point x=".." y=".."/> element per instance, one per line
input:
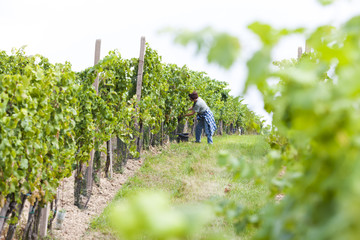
<point x="200" y="106"/>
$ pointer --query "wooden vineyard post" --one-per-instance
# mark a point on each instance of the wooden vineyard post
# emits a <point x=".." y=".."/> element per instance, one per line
<point x="89" y="169"/>
<point x="84" y="173"/>
<point x="37" y="224"/>
<point x="3" y="213"/>
<point x="162" y="134"/>
<point x="138" y="124"/>
<point x="109" y="160"/>
<point x="307" y="47"/>
<point x="299" y="52"/>
<point x="193" y="131"/>
<point x="186" y="126"/>
<point x="221" y="127"/>
<point x="44" y="216"/>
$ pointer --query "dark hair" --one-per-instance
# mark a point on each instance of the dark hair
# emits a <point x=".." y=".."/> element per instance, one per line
<point x="193" y="95"/>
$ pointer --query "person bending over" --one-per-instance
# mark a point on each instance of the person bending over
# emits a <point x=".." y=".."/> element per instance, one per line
<point x="204" y="116"/>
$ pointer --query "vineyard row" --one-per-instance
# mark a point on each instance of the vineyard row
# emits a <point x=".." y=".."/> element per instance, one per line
<point x="54" y="122"/>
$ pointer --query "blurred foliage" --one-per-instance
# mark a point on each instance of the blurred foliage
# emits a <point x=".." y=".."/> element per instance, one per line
<point x="220" y="47"/>
<point x="315" y="134"/>
<point x="316" y="108"/>
<point x="149" y="215"/>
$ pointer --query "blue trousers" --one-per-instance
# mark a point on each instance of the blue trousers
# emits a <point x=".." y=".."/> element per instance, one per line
<point x="198" y="130"/>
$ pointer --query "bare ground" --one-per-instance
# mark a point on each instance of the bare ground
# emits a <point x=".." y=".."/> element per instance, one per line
<point x="76" y="223"/>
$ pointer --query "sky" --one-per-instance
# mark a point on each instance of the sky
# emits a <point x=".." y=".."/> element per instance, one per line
<point x="66" y="30"/>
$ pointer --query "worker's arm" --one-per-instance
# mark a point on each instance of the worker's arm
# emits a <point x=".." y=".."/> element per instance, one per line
<point x="190" y="114"/>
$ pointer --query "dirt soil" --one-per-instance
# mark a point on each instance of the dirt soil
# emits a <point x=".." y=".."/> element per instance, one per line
<point x="76" y="223"/>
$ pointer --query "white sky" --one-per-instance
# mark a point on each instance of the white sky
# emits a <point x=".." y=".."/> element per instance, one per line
<point x="66" y="30"/>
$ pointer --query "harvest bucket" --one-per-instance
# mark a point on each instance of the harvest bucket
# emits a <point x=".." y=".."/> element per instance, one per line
<point x="183" y="137"/>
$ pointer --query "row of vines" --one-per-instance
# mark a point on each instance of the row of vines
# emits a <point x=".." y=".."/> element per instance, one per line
<point x="51" y="118"/>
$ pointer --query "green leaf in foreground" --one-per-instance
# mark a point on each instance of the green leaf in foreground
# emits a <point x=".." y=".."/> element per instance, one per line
<point x="150" y="214"/>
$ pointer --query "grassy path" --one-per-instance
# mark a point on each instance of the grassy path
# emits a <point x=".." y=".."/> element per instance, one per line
<point x="190" y="173"/>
